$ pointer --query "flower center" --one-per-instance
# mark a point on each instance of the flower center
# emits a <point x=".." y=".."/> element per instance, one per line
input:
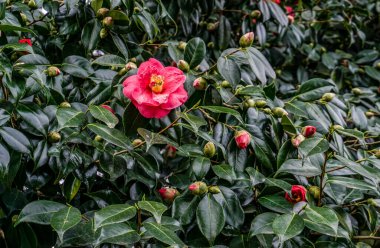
<point x="156" y="83"/>
<point x="297" y="198"/>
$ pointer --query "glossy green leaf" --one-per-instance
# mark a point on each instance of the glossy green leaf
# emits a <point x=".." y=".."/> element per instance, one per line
<point x="313" y="146"/>
<point x="113" y="214"/>
<point x="64" y="219"/>
<point x="276" y="203"/>
<point x="103" y="115"/>
<point x="111" y="135"/>
<point x="195" y="52"/>
<point x="39" y="212"/>
<point x="163" y="234"/>
<point x="287" y="226"/>
<point x="157" y="209"/>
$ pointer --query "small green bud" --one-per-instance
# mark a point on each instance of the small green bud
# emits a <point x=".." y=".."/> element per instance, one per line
<point x="65" y="105"/>
<point x="200" y="83"/>
<point x="212" y="26"/>
<point x="183" y="66"/>
<point x="103" y="33"/>
<point x="279" y="112"/>
<point x="214" y="189"/>
<point x="246" y="40"/>
<point x="211" y="45"/>
<point x="372" y="202"/>
<point x="182" y="45"/>
<point x="357" y="91"/>
<point x="209" y="149"/>
<point x="255" y="14"/>
<point x="225" y="84"/>
<point x="278" y="72"/>
<point x="98" y="138"/>
<point x="32" y="4"/>
<point x="338" y="127"/>
<point x="327" y="97"/>
<point x="361" y="71"/>
<point x="102" y="12"/>
<point x="369" y="114"/>
<point x="323" y="49"/>
<point x="250" y="103"/>
<point x="53" y="71"/>
<point x="136" y="142"/>
<point x="267" y="111"/>
<point x="261" y="103"/>
<point x="315" y="192"/>
<point x="107" y="22"/>
<point x="377" y="153"/>
<point x="378" y="65"/>
<point x="54" y="137"/>
<point x="23" y="17"/>
<point x="198" y="188"/>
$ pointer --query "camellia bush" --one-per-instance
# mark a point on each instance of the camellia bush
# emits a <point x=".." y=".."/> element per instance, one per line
<point x="189" y="123"/>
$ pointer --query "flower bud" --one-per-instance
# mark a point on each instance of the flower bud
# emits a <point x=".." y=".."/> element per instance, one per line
<point x="378" y="65"/>
<point x="103" y="33"/>
<point x="53" y="71"/>
<point x="98" y="138"/>
<point x="102" y="12"/>
<point x="261" y="103"/>
<point x="211" y="45"/>
<point x="246" y="40"/>
<point x="290" y="19"/>
<point x="129" y="66"/>
<point x="279" y="112"/>
<point x="308" y="131"/>
<point x="32" y="4"/>
<point x="297" y="140"/>
<point x="211" y="26"/>
<point x="372" y="202"/>
<point x="225" y="84"/>
<point x="136" y="142"/>
<point x="108" y="108"/>
<point x="255" y="14"/>
<point x="214" y="189"/>
<point x="369" y="114"/>
<point x="338" y="127"/>
<point x="209" y="149"/>
<point x="198" y="188"/>
<point x="315" y="191"/>
<point x="97" y="53"/>
<point x="170" y="151"/>
<point x="107" y="22"/>
<point x="242" y="139"/>
<point x="377" y="153"/>
<point x="323" y="49"/>
<point x="122" y="71"/>
<point x="357" y="91"/>
<point x="249" y="103"/>
<point x="168" y="194"/>
<point x="54" y="137"/>
<point x="200" y="83"/>
<point x="182" y="45"/>
<point x="183" y="66"/>
<point x="65" y="105"/>
<point x="278" y="72"/>
<point x="23" y="17"/>
<point x="361" y="71"/>
<point x="327" y="97"/>
<point x="267" y="111"/>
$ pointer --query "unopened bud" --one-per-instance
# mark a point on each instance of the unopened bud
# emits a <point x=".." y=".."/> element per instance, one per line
<point x="279" y="112"/>
<point x="102" y="12"/>
<point x="107" y="22"/>
<point x="54" y="137"/>
<point x="261" y="103"/>
<point x="171" y="151"/>
<point x="214" y="189"/>
<point x="32" y="4"/>
<point x="53" y="71"/>
<point x="255" y="14"/>
<point x="103" y="33"/>
<point x="246" y="40"/>
<point x="369" y="114"/>
<point x="98" y="138"/>
<point x="338" y="127"/>
<point x="211" y="45"/>
<point x="182" y="45"/>
<point x="249" y="103"/>
<point x="108" y="108"/>
<point x="198" y="188"/>
<point x="315" y="192"/>
<point x="378" y="65"/>
<point x="211" y="26"/>
<point x="65" y="105"/>
<point x="242" y="139"/>
<point x="372" y="202"/>
<point x="23" y="17"/>
<point x="200" y="83"/>
<point x="297" y="140"/>
<point x="357" y="91"/>
<point x="377" y="153"/>
<point x="308" y="131"/>
<point x="209" y="149"/>
<point x="130" y="65"/>
<point x="183" y="66"/>
<point x="136" y="142"/>
<point x="267" y="111"/>
<point x="225" y="84"/>
<point x="327" y="97"/>
<point x="168" y="194"/>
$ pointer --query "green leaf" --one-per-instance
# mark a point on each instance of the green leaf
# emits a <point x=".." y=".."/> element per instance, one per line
<point x="68" y="117"/>
<point x="119" y="17"/>
<point x="113" y="136"/>
<point x="262" y="224"/>
<point x="103" y="115"/>
<point x="272" y="182"/>
<point x="224" y="110"/>
<point x="110" y="60"/>
<point x="112" y="214"/>
<point x="34" y="116"/>
<point x="322" y="220"/>
<point x="313" y="146"/>
<point x="277" y="13"/>
<point x="195" y="52"/>
<point x="155" y="208"/>
<point x="200" y="166"/>
<point x="183" y="208"/>
<point x="96" y="4"/>
<point x="362" y="170"/>
<point x="210" y="218"/>
<point x="163" y="234"/>
<point x="233" y="212"/>
<point x="155" y="138"/>
<point x="229" y="70"/>
<point x="276" y="203"/>
<point x="313" y="89"/>
<point x="287" y="226"/>
<point x="288" y="125"/>
<point x="77" y="66"/>
<point x="39" y="212"/>
<point x="255" y="176"/>
<point x="7" y="28"/>
<point x="372" y="72"/>
<point x="64" y="219"/>
<point x="300" y="168"/>
<point x="225" y="172"/>
<point x="15" y="139"/>
<point x="351" y="183"/>
<point x="91" y="34"/>
<point x="119" y="234"/>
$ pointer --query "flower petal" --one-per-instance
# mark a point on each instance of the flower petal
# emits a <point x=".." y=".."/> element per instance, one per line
<point x="174" y="78"/>
<point x="176" y="99"/>
<point x="151" y="111"/>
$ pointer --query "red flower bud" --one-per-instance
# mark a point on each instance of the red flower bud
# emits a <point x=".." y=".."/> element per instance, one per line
<point x="198" y="188"/>
<point x="289" y="11"/>
<point x="168" y="194"/>
<point x="53" y="71"/>
<point x="308" y="131"/>
<point x="246" y="40"/>
<point x="108" y="108"/>
<point x="25" y="41"/>
<point x="297" y="140"/>
<point x="277" y="1"/>
<point x="171" y="151"/>
<point x="200" y="83"/>
<point x="242" y="139"/>
<point x="298" y="193"/>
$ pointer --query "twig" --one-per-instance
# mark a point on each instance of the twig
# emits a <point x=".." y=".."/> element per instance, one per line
<point x="366" y="237"/>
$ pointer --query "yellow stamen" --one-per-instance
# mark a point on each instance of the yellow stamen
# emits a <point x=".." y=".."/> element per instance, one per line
<point x="156" y="83"/>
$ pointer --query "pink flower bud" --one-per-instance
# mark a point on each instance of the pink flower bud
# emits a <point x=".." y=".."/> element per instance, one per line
<point x="200" y="83"/>
<point x="242" y="138"/>
<point x="168" y="194"/>
<point x="297" y="140"/>
<point x="198" y="188"/>
<point x="308" y="131"/>
<point x="247" y="39"/>
<point x="171" y="151"/>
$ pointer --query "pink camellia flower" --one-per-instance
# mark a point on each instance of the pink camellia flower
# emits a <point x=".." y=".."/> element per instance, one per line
<point x="25" y="41"/>
<point x="155" y="89"/>
<point x="108" y="108"/>
<point x="277" y="1"/>
<point x="242" y="139"/>
<point x="298" y="193"/>
<point x="289" y="11"/>
<point x="308" y="131"/>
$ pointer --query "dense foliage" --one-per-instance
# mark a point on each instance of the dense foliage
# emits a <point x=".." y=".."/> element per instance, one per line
<point x="270" y="144"/>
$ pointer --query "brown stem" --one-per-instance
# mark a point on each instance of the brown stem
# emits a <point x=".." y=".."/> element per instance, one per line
<point x="335" y="169"/>
<point x="366" y="237"/>
<point x="321" y="178"/>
